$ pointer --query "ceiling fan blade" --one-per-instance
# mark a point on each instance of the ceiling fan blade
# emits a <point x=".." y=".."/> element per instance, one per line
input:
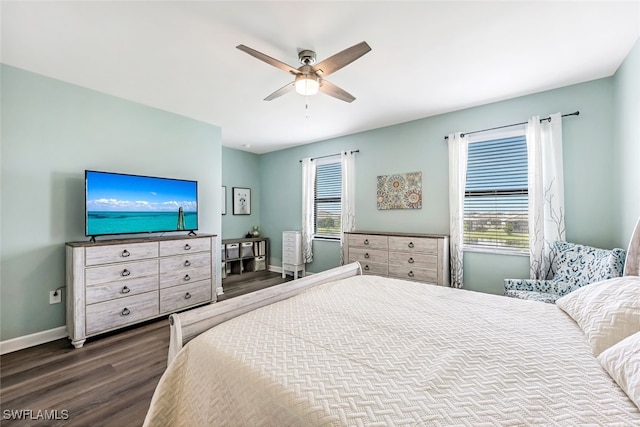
<point x="284" y="89"/>
<point x="335" y="91"/>
<point x="340" y="59"/>
<point x="269" y="60"/>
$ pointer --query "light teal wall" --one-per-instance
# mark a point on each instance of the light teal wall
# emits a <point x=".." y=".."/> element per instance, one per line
<point x="627" y="141"/>
<point x="51" y="132"/>
<point x="240" y="169"/>
<point x="419" y="146"/>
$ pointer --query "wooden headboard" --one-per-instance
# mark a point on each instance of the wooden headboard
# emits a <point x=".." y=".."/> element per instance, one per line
<point x="632" y="262"/>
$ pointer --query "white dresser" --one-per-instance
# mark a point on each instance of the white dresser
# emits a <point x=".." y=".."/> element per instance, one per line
<point x="419" y="257"/>
<point x="292" y="253"/>
<point x="116" y="283"/>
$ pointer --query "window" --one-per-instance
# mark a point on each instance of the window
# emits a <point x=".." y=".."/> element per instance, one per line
<point x="327" y="198"/>
<point x="496" y="195"/>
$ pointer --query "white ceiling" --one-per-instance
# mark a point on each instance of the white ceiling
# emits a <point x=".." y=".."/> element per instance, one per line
<point x="427" y="57"/>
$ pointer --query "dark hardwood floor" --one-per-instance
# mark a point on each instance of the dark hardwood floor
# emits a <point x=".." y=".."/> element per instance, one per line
<point x="240" y="284"/>
<point x="108" y="382"/>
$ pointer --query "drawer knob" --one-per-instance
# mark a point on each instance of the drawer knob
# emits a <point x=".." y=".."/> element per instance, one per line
<point x="187" y="278"/>
<point x="411" y="274"/>
<point x="410" y="244"/>
<point x="125" y="273"/>
<point x="366" y="241"/>
<point x="125" y="290"/>
<point x="187" y="295"/>
<point x="187" y="263"/>
<point x="125" y="253"/>
<point x="125" y="312"/>
<point x="187" y="247"/>
<point x="366" y="255"/>
<point x="411" y="261"/>
<point x="366" y="268"/>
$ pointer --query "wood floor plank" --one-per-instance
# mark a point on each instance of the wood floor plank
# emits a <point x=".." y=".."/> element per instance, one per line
<point x="108" y="382"/>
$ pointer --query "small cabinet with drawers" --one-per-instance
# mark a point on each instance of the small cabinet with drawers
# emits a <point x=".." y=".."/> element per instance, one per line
<point x="419" y="257"/>
<point x="292" y="254"/>
<point x="116" y="283"/>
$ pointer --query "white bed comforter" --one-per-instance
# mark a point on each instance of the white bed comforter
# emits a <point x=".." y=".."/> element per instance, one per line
<point x="375" y="351"/>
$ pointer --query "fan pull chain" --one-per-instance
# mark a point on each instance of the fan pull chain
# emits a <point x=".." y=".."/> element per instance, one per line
<point x="306" y="107"/>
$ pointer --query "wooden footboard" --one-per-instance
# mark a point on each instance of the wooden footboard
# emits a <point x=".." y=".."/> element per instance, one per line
<point x="187" y="325"/>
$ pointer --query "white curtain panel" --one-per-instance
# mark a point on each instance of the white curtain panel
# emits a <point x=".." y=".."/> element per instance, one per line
<point x="348" y="214"/>
<point x="546" y="193"/>
<point x="458" y="147"/>
<point x="308" y="190"/>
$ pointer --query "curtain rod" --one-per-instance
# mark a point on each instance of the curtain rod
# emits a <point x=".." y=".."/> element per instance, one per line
<point x="331" y="155"/>
<point x="575" y="113"/>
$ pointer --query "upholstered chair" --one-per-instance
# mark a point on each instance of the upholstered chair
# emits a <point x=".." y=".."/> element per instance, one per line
<point x="576" y="266"/>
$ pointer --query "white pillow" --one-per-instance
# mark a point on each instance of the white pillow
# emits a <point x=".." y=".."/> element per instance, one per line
<point x="607" y="311"/>
<point x="622" y="361"/>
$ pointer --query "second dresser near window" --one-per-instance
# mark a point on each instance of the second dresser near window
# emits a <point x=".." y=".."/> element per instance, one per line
<point x="410" y="256"/>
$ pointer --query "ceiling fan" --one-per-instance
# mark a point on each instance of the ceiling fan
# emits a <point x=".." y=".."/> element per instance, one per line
<point x="309" y="78"/>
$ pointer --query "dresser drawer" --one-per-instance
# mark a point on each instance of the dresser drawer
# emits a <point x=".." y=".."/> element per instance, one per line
<point x="107" y="254"/>
<point x="120" y="289"/>
<point x="292" y="258"/>
<point x="183" y="263"/>
<point x="374" y="268"/>
<point x="408" y="273"/>
<point x="413" y="244"/>
<point x="175" y="278"/>
<point x="413" y="260"/>
<point x="291" y="254"/>
<point x="184" y="246"/>
<point x="370" y="241"/>
<point x="290" y="237"/>
<point x="182" y="296"/>
<point x="121" y="271"/>
<point x="290" y="245"/>
<point x="112" y="314"/>
<point x="368" y="255"/>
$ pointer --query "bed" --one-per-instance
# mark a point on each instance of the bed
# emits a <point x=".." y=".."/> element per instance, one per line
<point x="342" y="348"/>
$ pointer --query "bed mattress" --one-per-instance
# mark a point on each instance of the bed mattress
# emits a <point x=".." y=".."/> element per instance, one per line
<point x="373" y="351"/>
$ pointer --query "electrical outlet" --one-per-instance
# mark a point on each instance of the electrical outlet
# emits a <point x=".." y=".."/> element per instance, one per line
<point x="55" y="297"/>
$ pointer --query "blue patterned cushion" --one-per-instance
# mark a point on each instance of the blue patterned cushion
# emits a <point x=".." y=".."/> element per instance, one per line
<point x="579" y="265"/>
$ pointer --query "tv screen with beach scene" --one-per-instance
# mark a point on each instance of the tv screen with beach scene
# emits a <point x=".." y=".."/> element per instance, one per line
<point x="126" y="204"/>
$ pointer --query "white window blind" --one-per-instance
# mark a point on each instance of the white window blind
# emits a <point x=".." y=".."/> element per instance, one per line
<point x="327" y="201"/>
<point x="496" y="195"/>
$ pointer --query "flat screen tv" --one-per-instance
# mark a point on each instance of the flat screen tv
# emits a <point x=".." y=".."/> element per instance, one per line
<point x="125" y="204"/>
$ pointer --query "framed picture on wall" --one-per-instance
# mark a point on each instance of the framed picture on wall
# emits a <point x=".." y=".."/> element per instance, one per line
<point x="241" y="201"/>
<point x="224" y="200"/>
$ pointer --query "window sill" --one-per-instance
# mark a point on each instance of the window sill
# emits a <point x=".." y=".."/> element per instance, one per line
<point x="495" y="251"/>
<point x="326" y="239"/>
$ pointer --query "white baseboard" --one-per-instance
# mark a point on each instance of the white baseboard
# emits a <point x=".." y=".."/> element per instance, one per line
<point x="275" y="268"/>
<point x="31" y="340"/>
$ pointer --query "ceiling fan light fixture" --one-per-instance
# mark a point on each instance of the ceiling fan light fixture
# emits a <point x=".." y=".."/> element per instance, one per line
<point x="307" y="84"/>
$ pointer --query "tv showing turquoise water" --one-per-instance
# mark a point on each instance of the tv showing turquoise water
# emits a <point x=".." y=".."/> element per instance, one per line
<point x="126" y="204"/>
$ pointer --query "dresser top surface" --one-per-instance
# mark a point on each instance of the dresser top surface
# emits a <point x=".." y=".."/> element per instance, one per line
<point x="400" y="234"/>
<point x="136" y="240"/>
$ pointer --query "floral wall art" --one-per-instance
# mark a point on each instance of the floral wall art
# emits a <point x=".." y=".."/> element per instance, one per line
<point x="400" y="191"/>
